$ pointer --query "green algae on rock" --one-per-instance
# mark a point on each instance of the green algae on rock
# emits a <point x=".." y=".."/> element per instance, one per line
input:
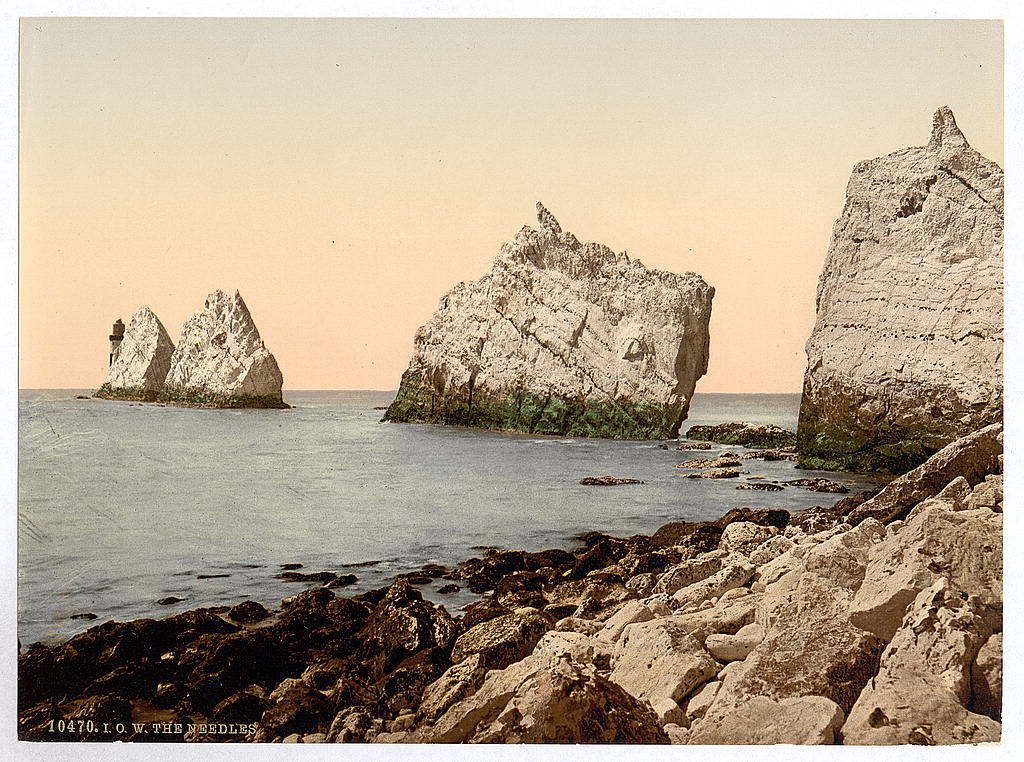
<point x="561" y="338"/>
<point x="529" y="412"/>
<point x="743" y="435"/>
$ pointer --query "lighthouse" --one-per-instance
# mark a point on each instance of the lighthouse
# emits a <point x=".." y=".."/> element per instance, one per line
<point x="116" y="337"/>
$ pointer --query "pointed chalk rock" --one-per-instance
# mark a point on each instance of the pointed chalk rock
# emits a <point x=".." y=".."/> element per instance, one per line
<point x="561" y="337"/>
<point x="143" y="359"/>
<point x="906" y="353"/>
<point x="220" y="355"/>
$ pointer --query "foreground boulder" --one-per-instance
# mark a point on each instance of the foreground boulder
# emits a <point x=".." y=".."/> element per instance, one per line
<point x="906" y="353"/>
<point x="552" y="696"/>
<point x="141" y="362"/>
<point x="923" y="687"/>
<point x="221" y="361"/>
<point x="561" y="338"/>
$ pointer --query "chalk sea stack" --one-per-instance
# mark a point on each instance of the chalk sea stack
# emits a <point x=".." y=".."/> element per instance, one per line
<point x="221" y="361"/>
<point x="907" y="349"/>
<point x="564" y="338"/>
<point x="139" y="364"/>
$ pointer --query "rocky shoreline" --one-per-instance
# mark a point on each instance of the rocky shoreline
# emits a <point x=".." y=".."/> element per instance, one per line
<point x="875" y="620"/>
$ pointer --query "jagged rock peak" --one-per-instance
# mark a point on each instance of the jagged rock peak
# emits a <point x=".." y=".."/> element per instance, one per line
<point x="906" y="354"/>
<point x="220" y="353"/>
<point x="547" y="220"/>
<point x="945" y="132"/>
<point x="561" y="337"/>
<point x="142" y="360"/>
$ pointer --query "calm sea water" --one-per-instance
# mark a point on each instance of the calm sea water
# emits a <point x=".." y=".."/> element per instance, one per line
<point x="121" y="504"/>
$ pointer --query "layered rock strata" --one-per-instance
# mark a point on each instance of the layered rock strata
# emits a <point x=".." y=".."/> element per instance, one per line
<point x="907" y="349"/>
<point x="141" y="361"/>
<point x="221" y="361"/>
<point x="561" y="337"/>
<point x="828" y="626"/>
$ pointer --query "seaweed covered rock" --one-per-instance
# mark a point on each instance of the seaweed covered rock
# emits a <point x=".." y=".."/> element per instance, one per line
<point x="561" y="338"/>
<point x="744" y="434"/>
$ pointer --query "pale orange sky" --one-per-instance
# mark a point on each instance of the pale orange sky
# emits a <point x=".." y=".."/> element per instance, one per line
<point x="343" y="174"/>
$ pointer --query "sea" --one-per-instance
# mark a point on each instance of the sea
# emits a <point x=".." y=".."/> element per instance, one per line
<point x="122" y="504"/>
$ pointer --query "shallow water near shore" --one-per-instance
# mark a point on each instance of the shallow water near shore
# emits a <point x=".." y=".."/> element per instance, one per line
<point x="122" y="504"/>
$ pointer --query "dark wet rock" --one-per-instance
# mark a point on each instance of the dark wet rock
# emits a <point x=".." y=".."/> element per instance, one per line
<point x="766" y="517"/>
<point x="87" y="615"/>
<point x="715" y="473"/>
<point x="294" y="576"/>
<point x="481" y="574"/>
<point x="744" y="434"/>
<point x="298" y="708"/>
<point x="434" y="570"/>
<point x="169" y="600"/>
<point x="480" y="611"/>
<point x="820" y="485"/>
<point x="403" y="624"/>
<point x="762" y="486"/>
<point x="360" y="564"/>
<point x="99" y="709"/>
<point x="703" y="536"/>
<point x="607" y="481"/>
<point x="168" y="695"/>
<point x="416" y="579"/>
<point x="248" y="612"/>
<point x="342" y="580"/>
<point x="245" y="706"/>
<point x="403" y="686"/>
<point x="448" y="589"/>
<point x="644" y="562"/>
<point x="290" y="567"/>
<point x="694" y="446"/>
<point x="553" y="558"/>
<point x="211" y="576"/>
<point x="213" y="667"/>
<point x="66" y="669"/>
<point x="520" y="589"/>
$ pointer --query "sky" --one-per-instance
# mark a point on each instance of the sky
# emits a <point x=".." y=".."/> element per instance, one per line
<point x="344" y="174"/>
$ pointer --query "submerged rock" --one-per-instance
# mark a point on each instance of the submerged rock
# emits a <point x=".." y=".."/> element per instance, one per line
<point x="721" y="461"/>
<point x="221" y="361"/>
<point x="561" y="338"/>
<point x="906" y="353"/>
<point x="142" y="360"/>
<point x="607" y="481"/>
